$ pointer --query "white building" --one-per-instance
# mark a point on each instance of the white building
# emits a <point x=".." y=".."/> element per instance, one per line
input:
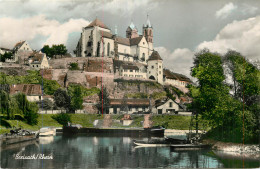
<point x="38" y="60"/>
<point x="155" y="67"/>
<point x="97" y="40"/>
<point x="167" y="106"/>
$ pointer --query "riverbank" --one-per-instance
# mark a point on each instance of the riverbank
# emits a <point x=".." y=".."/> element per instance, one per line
<point x="248" y="151"/>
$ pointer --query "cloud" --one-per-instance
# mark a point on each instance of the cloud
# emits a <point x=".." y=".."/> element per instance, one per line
<point x="64" y="9"/>
<point x="179" y="61"/>
<point x="13" y="30"/>
<point x="242" y="36"/>
<point x="225" y="11"/>
<point x="248" y="9"/>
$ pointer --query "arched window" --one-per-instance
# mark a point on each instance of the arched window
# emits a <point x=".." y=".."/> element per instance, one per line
<point x="143" y="57"/>
<point x="108" y="49"/>
<point x="150" y="32"/>
<point x="98" y="48"/>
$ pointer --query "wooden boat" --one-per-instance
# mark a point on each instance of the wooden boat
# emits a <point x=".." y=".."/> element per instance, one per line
<point x="18" y="136"/>
<point x="189" y="146"/>
<point x="47" y="131"/>
<point x="159" y="142"/>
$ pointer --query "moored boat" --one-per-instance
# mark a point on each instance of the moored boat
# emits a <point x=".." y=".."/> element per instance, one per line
<point x="47" y="131"/>
<point x="160" y="142"/>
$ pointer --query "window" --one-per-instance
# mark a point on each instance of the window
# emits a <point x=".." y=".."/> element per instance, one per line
<point x="159" y="72"/>
<point x="37" y="65"/>
<point x="125" y="70"/>
<point x="170" y="104"/>
<point x="131" y="70"/>
<point x="149" y="72"/>
<point x="108" y="49"/>
<point x="152" y="67"/>
<point x="125" y="75"/>
<point x="33" y="65"/>
<point x="160" y="67"/>
<point x="89" y="44"/>
<point x="150" y="32"/>
<point x="143" y="43"/>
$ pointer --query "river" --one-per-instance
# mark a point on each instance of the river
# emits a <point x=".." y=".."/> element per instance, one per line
<point x="89" y="151"/>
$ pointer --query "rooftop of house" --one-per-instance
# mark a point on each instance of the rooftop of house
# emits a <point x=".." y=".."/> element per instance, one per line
<point x="130" y="102"/>
<point x="162" y="102"/>
<point x="36" y="57"/>
<point x="171" y="75"/>
<point x="27" y="89"/>
<point x="19" y="44"/>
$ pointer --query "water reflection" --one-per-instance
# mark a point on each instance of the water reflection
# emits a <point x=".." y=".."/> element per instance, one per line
<point x="103" y="151"/>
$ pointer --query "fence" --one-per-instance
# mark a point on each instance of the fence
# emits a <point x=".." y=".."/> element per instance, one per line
<point x="60" y="111"/>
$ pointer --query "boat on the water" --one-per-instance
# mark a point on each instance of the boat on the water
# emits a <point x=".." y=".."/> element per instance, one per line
<point x="17" y="136"/>
<point x="189" y="146"/>
<point x="47" y="131"/>
<point x="160" y="142"/>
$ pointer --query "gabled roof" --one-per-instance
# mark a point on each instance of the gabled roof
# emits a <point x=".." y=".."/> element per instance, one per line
<point x="123" y="41"/>
<point x="171" y="75"/>
<point x="132" y="102"/>
<point x="162" y="102"/>
<point x="97" y="22"/>
<point x="135" y="41"/>
<point x="155" y="56"/>
<point x="106" y="34"/>
<point x="19" y="44"/>
<point x="36" y="57"/>
<point x="5" y="49"/>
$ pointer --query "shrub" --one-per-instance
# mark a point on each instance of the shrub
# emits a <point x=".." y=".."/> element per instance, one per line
<point x="74" y="66"/>
<point x="62" y="118"/>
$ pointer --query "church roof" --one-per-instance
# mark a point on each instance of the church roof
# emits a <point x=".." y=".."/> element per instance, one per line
<point x="135" y="41"/>
<point x="97" y="22"/>
<point x="155" y="56"/>
<point x="171" y="75"/>
<point x="106" y="34"/>
<point x="123" y="41"/>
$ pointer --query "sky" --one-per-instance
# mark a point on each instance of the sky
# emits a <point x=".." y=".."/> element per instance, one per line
<point x="181" y="27"/>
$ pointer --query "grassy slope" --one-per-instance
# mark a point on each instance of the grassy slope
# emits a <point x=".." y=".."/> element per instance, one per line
<point x="86" y="120"/>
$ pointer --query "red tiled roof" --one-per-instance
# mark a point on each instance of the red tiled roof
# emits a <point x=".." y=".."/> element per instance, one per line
<point x="19" y="44"/>
<point x="27" y="89"/>
<point x="97" y="22"/>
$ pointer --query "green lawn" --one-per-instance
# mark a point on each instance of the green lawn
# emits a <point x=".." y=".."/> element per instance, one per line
<point x="86" y="120"/>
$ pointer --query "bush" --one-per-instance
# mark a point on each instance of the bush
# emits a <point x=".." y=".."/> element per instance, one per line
<point x="74" y="66"/>
<point x="62" y="118"/>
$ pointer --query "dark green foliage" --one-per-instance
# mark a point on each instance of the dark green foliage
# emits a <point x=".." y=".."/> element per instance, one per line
<point x="62" y="99"/>
<point x="104" y="101"/>
<point x="54" y="50"/>
<point x="169" y="94"/>
<point x="28" y="109"/>
<point x="31" y="114"/>
<point x="62" y="118"/>
<point x="212" y="100"/>
<point x="6" y="55"/>
<point x="74" y="66"/>
<point x="76" y="97"/>
<point x="50" y="86"/>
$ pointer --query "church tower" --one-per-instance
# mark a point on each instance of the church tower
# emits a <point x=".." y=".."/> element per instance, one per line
<point x="131" y="31"/>
<point x="148" y="31"/>
<point x="155" y="67"/>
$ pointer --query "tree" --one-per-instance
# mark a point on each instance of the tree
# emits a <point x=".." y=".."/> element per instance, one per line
<point x="62" y="99"/>
<point x="104" y="101"/>
<point x="28" y="109"/>
<point x="62" y="118"/>
<point x="124" y="106"/>
<point x="6" y="55"/>
<point x="74" y="66"/>
<point x="31" y="114"/>
<point x="76" y="97"/>
<point x="54" y="50"/>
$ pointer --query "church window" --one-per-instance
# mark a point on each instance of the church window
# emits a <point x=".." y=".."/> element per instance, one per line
<point x="98" y="48"/>
<point x="152" y="67"/>
<point x="108" y="49"/>
<point x="143" y="56"/>
<point x="89" y="44"/>
<point x="160" y="67"/>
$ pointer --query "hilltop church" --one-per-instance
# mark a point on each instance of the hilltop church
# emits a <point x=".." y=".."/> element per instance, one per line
<point x="133" y="55"/>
